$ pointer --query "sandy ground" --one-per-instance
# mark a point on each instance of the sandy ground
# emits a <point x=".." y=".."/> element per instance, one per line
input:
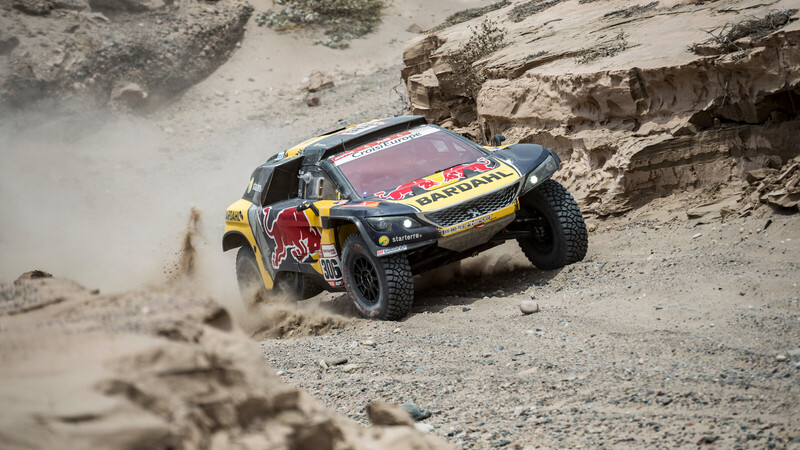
<point x="659" y="338"/>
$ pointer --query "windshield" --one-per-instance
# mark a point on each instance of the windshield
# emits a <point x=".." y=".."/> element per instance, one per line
<point x="396" y="160"/>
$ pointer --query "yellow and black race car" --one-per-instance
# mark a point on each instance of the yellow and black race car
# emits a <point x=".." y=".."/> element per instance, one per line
<point x="364" y="208"/>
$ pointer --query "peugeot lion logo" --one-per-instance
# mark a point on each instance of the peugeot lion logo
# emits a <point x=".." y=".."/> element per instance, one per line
<point x="473" y="213"/>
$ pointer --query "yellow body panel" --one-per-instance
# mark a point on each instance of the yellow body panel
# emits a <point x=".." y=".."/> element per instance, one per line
<point x="236" y="219"/>
<point x="464" y="189"/>
<point x="297" y="149"/>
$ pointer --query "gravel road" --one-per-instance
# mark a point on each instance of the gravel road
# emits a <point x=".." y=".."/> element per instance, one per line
<point x="666" y="335"/>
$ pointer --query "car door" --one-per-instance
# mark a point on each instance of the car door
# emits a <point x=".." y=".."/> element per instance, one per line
<point x="291" y="239"/>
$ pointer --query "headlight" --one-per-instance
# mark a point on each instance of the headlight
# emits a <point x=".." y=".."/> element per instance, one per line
<point x="541" y="173"/>
<point x="386" y="223"/>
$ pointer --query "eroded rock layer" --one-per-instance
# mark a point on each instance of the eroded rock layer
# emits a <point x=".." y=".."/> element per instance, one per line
<point x="638" y="100"/>
<point x="129" y="52"/>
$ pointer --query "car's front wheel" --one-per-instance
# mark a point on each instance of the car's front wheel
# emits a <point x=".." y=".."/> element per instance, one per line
<point x="559" y="235"/>
<point x="381" y="288"/>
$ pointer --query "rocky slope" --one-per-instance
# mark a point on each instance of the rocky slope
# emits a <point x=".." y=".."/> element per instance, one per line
<point x="639" y="100"/>
<point x="132" y="52"/>
<point x="157" y="369"/>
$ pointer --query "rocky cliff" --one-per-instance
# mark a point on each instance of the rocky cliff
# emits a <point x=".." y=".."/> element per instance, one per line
<point x="639" y="100"/>
<point x="131" y="52"/>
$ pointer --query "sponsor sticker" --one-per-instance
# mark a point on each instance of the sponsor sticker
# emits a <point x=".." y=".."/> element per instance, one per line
<point x="461" y="187"/>
<point x="382" y="144"/>
<point x="292" y="235"/>
<point x="250" y="185"/>
<point x="406" y="237"/>
<point x="383" y="241"/>
<point x="448" y="175"/>
<point x="234" y="216"/>
<point x="331" y="265"/>
<point x="329" y="251"/>
<point x="389" y="251"/>
<point x="363" y="128"/>
<point x="465" y="225"/>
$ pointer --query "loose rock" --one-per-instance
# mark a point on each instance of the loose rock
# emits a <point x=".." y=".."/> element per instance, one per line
<point x="312" y="100"/>
<point x="424" y="427"/>
<point x="414" y="28"/>
<point x="416" y="412"/>
<point x="319" y="81"/>
<point x="349" y="368"/>
<point x="335" y="361"/>
<point x="528" y="307"/>
<point x="130" y="94"/>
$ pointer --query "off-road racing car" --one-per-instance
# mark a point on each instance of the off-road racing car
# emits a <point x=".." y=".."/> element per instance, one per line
<point x="365" y="208"/>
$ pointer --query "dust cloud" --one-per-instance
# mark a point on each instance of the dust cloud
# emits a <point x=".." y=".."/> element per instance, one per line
<point x="503" y="259"/>
<point x="117" y="203"/>
<point x="104" y="199"/>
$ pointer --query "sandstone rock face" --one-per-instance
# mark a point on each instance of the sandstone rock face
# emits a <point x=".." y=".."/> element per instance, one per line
<point x="638" y="101"/>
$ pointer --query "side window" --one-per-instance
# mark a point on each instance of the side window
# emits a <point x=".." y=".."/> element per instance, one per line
<point x="320" y="187"/>
<point x="283" y="183"/>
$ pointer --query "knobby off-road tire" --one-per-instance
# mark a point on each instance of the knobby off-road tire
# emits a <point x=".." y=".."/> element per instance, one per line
<point x="381" y="288"/>
<point x="561" y="238"/>
<point x="289" y="285"/>
<point x="251" y="285"/>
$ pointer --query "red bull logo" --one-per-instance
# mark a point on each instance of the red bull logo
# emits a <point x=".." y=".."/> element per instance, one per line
<point x="292" y="234"/>
<point x="457" y="172"/>
<point x="405" y="190"/>
<point x="451" y="174"/>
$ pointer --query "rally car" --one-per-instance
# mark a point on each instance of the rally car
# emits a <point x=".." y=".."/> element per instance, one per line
<point x="364" y="208"/>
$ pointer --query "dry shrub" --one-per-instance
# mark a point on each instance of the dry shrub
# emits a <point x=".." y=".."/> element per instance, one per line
<point x="631" y="11"/>
<point x="487" y="38"/>
<point x="755" y="28"/>
<point x="616" y="46"/>
<point x="469" y="14"/>
<point x="523" y="10"/>
<point x="343" y="20"/>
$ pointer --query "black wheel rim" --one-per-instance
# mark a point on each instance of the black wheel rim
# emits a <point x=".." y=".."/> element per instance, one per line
<point x="366" y="278"/>
<point x="543" y="238"/>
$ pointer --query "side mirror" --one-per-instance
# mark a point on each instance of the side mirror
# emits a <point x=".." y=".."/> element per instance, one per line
<point x="307" y="205"/>
<point x="498" y="139"/>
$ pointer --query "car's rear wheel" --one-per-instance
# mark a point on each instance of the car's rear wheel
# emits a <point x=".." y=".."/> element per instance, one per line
<point x="559" y="232"/>
<point x="381" y="288"/>
<point x="251" y="284"/>
<point x="296" y="286"/>
<point x="291" y="285"/>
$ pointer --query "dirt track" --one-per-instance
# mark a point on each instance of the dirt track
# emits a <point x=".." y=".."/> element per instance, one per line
<point x="656" y="339"/>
